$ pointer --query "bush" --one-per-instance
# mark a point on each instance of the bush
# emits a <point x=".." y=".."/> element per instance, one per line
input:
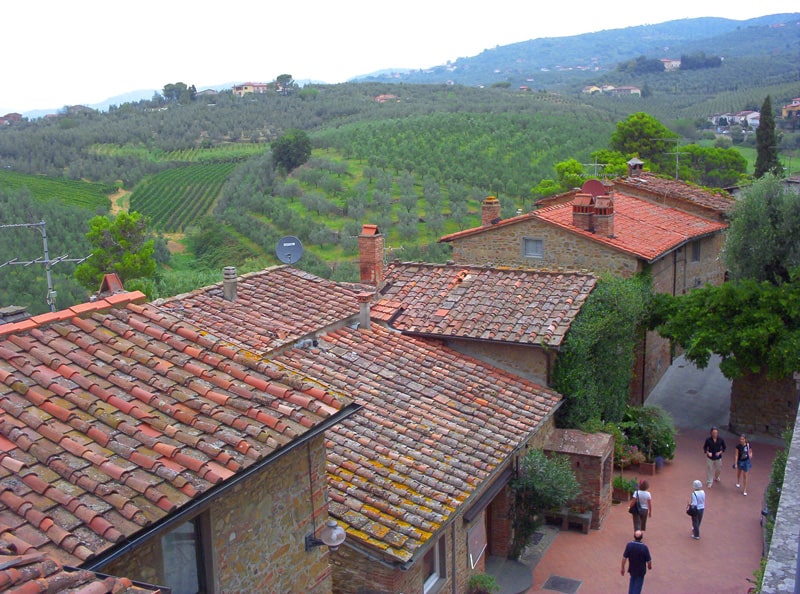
<point x="651" y="430"/>
<point x="628" y="485"/>
<point x="482" y="583"/>
<point x="544" y="483"/>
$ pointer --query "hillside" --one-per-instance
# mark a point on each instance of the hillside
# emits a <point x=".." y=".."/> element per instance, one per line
<point x="417" y="163"/>
<point x="564" y="62"/>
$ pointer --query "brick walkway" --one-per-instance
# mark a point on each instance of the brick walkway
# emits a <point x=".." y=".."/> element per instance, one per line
<point x="727" y="554"/>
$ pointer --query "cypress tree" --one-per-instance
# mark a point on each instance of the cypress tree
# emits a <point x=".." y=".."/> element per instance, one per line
<point x="767" y="143"/>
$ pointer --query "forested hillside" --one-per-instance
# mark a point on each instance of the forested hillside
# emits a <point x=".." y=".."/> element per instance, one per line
<point x="417" y="162"/>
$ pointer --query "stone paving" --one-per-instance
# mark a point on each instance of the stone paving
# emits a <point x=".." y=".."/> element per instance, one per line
<point x="731" y="535"/>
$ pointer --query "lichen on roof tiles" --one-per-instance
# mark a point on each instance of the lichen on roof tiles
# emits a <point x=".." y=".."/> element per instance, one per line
<point x="132" y="412"/>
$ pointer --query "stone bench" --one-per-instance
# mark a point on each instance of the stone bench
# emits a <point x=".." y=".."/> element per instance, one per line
<point x="566" y="518"/>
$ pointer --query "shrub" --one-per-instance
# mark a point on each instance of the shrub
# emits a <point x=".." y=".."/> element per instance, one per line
<point x="651" y="430"/>
<point x="628" y="485"/>
<point x="482" y="583"/>
<point x="544" y="483"/>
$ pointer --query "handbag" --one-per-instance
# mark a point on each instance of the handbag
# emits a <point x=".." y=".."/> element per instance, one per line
<point x="634" y="507"/>
<point x="691" y="508"/>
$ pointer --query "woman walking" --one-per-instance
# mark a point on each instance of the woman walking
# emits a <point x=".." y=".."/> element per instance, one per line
<point x="646" y="505"/>
<point x="698" y="499"/>
<point x="744" y="456"/>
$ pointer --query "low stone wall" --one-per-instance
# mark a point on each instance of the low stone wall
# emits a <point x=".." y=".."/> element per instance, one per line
<point x="780" y="576"/>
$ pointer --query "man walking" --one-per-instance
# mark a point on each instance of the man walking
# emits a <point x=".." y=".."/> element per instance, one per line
<point x="714" y="447"/>
<point x="638" y="557"/>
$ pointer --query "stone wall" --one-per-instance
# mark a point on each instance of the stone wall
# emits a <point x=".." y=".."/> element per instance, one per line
<point x="780" y="574"/>
<point x="759" y="405"/>
<point x="503" y="246"/>
<point x="255" y="539"/>
<point x="530" y="362"/>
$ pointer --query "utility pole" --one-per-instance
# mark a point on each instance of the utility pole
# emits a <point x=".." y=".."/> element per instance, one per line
<point x="41" y="226"/>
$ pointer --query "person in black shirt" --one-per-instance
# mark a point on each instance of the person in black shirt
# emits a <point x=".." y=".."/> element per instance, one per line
<point x="638" y="556"/>
<point x="714" y="447"/>
<point x="744" y="456"/>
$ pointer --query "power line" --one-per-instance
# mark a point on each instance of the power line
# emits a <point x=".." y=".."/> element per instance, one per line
<point x="41" y="226"/>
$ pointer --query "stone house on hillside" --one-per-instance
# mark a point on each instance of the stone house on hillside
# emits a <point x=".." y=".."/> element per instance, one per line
<point x="512" y="318"/>
<point x="419" y="477"/>
<point x="135" y="443"/>
<point x="636" y="224"/>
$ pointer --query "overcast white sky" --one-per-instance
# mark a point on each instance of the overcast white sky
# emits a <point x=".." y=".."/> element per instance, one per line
<point x="58" y="53"/>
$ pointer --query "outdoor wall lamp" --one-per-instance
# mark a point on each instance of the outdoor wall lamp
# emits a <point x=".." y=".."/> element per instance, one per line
<point x="332" y="535"/>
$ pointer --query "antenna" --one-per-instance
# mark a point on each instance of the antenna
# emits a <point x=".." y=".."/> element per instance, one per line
<point x="677" y="153"/>
<point x="289" y="249"/>
<point x="42" y="227"/>
<point x="596" y="166"/>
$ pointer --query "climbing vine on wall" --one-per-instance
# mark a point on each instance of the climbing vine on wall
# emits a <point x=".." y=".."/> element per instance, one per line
<point x="594" y="368"/>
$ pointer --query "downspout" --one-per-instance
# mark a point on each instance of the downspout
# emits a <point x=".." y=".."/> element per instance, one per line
<point x="453" y="555"/>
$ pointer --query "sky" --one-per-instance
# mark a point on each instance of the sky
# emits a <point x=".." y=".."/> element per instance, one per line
<point x="58" y="53"/>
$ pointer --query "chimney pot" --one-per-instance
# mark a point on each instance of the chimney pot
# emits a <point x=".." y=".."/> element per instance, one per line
<point x="229" y="283"/>
<point x="364" y="300"/>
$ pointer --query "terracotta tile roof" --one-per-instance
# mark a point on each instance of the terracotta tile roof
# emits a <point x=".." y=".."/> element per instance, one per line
<point x="261" y="316"/>
<point x="113" y="419"/>
<point x="433" y="426"/>
<point x="642" y="228"/>
<point x="661" y="187"/>
<point x="35" y="572"/>
<point x="506" y="305"/>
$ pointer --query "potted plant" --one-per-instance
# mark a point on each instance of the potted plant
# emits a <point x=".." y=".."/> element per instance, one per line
<point x="651" y="430"/>
<point x="482" y="583"/>
<point x="622" y="488"/>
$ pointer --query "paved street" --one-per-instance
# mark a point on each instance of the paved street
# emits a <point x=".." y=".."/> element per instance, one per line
<point x="730" y="546"/>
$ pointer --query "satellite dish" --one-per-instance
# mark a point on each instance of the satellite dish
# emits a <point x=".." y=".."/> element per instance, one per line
<point x="289" y="249"/>
<point x="594" y="187"/>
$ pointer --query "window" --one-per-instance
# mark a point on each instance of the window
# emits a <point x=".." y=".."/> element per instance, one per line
<point x="696" y="251"/>
<point x="533" y="248"/>
<point x="435" y="567"/>
<point x="182" y="556"/>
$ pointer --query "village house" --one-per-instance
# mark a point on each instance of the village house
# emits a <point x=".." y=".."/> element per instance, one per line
<point x="419" y="477"/>
<point x="791" y="110"/>
<point x="514" y="319"/>
<point x="640" y="223"/>
<point x="250" y="88"/>
<point x="134" y="443"/>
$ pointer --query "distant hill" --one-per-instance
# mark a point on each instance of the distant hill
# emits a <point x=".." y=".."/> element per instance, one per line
<point x="548" y="63"/>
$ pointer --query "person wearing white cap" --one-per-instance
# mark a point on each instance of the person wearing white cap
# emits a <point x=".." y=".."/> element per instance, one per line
<point x="697" y="500"/>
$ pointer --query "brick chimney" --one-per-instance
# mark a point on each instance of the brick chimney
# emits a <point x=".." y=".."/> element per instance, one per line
<point x="370" y="254"/>
<point x="490" y="211"/>
<point x="583" y="211"/>
<point x="635" y="167"/>
<point x="364" y="299"/>
<point x="229" y="283"/>
<point x="604" y="216"/>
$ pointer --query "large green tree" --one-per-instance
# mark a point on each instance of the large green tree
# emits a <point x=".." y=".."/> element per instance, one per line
<point x="767" y="143"/>
<point x="754" y="326"/>
<point x="762" y="241"/>
<point x="119" y="245"/>
<point x="642" y="135"/>
<point x="291" y="150"/>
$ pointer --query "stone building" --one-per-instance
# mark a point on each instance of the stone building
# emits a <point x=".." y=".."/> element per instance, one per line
<point x="637" y="224"/>
<point x="134" y="443"/>
<point x="419" y="477"/>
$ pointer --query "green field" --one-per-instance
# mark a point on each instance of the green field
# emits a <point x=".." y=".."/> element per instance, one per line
<point x="221" y="153"/>
<point x="175" y="198"/>
<point x="84" y="194"/>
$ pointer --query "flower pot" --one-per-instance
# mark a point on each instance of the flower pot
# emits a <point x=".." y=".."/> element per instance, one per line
<point x="647" y="468"/>
<point x="618" y="495"/>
